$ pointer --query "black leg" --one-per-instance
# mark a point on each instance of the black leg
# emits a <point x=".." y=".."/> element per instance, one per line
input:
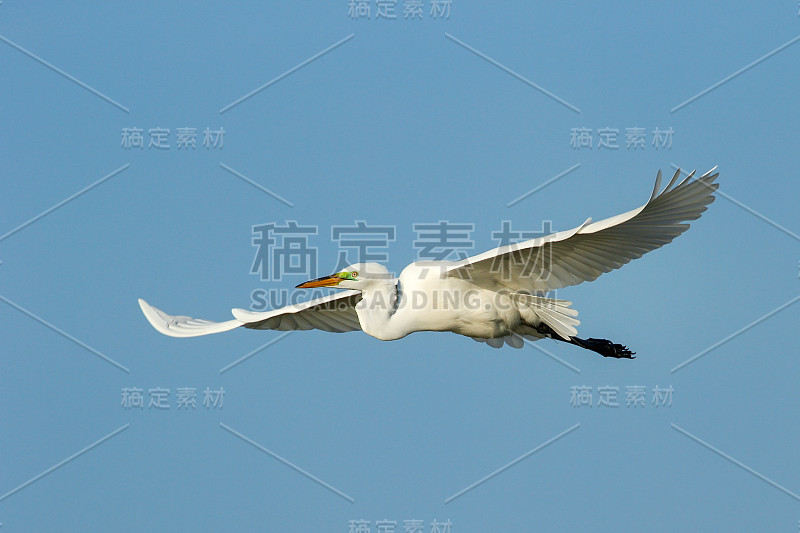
<point x="604" y="347"/>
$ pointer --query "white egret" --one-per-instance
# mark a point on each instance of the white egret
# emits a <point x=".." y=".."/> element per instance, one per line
<point x="497" y="297"/>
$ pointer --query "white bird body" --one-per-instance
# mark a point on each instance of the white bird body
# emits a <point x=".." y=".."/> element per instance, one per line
<point x="422" y="298"/>
<point x="495" y="297"/>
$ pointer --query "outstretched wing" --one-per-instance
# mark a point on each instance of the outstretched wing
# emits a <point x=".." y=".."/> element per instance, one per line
<point x="583" y="253"/>
<point x="335" y="312"/>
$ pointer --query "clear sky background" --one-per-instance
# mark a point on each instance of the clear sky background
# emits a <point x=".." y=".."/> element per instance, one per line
<point x="404" y="122"/>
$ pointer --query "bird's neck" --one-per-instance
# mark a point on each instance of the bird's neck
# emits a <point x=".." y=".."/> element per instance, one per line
<point x="378" y="309"/>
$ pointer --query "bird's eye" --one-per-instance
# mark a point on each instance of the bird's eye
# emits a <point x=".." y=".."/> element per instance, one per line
<point x="353" y="274"/>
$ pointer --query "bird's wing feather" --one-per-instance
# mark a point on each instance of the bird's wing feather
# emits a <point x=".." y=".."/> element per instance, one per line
<point x="335" y="312"/>
<point x="583" y="253"/>
<point x="183" y="326"/>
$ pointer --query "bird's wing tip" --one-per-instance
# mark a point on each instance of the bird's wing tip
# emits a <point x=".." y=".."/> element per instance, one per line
<point x="157" y="318"/>
<point x="657" y="186"/>
<point x="183" y="326"/>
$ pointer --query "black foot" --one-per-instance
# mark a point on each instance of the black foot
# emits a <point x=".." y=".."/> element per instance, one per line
<point x="605" y="348"/>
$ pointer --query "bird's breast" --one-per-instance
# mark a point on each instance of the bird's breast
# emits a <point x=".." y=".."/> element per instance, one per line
<point x="457" y="306"/>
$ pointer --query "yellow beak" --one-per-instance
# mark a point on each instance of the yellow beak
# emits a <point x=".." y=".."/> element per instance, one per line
<point x="325" y="281"/>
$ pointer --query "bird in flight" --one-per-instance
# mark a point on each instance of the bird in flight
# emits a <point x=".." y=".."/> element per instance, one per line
<point x="497" y="297"/>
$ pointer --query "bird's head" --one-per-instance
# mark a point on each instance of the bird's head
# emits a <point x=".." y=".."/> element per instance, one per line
<point x="360" y="276"/>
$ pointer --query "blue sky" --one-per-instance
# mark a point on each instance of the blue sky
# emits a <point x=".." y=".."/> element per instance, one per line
<point x="399" y="122"/>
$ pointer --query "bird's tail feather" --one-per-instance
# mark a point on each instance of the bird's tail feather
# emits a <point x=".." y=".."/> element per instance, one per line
<point x="555" y="313"/>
